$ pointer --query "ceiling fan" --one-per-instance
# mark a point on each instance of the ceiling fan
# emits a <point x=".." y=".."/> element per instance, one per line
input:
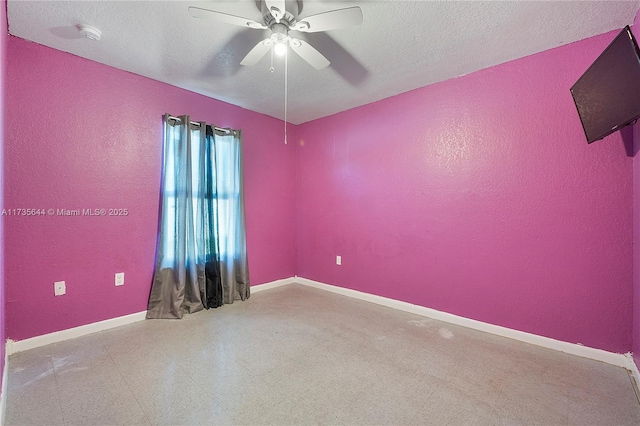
<point x="280" y="17"/>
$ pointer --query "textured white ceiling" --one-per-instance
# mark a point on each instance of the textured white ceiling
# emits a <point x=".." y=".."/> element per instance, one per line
<point x="400" y="46"/>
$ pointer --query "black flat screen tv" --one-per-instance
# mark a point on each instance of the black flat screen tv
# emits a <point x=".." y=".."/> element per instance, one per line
<point x="608" y="93"/>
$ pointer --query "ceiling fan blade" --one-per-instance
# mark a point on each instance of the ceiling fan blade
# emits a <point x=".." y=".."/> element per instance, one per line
<point x="197" y="12"/>
<point x="258" y="51"/>
<point x="309" y="53"/>
<point x="331" y="20"/>
<point x="276" y="7"/>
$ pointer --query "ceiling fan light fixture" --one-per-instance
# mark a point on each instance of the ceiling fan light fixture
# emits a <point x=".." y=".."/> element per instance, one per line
<point x="280" y="48"/>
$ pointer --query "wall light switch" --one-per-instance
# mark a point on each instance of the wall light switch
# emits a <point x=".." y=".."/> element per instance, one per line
<point x="120" y="278"/>
<point x="338" y="260"/>
<point x="59" y="288"/>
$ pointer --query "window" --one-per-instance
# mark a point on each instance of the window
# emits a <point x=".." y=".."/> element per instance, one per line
<point x="209" y="160"/>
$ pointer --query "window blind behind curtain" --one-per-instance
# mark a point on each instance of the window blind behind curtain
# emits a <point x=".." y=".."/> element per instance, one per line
<point x="201" y="259"/>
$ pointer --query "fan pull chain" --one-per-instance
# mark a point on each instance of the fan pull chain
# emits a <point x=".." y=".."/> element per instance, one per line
<point x="286" y="75"/>
<point x="272" y="69"/>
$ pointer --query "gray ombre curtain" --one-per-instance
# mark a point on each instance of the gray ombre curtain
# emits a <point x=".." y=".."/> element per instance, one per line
<point x="201" y="259"/>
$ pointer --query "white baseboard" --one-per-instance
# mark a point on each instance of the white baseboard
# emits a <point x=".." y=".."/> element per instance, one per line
<point x="71" y="333"/>
<point x="633" y="368"/>
<point x="273" y="284"/>
<point x="619" y="360"/>
<point x="3" y="392"/>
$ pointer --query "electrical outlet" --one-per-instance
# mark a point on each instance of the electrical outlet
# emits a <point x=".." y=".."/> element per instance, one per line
<point x="120" y="278"/>
<point x="338" y="260"/>
<point x="59" y="288"/>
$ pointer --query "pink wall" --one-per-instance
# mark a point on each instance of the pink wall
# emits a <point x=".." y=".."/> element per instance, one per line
<point x="478" y="196"/>
<point x="84" y="135"/>
<point x="3" y="66"/>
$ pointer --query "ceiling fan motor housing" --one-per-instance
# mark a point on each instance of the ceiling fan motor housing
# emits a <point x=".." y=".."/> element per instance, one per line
<point x="289" y="16"/>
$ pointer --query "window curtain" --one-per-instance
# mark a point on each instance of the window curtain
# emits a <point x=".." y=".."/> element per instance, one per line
<point x="201" y="259"/>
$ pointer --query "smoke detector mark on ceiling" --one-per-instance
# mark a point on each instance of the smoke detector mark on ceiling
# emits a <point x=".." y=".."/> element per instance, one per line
<point x="92" y="33"/>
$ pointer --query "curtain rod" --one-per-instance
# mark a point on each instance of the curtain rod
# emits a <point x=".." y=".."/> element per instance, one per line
<point x="196" y="123"/>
